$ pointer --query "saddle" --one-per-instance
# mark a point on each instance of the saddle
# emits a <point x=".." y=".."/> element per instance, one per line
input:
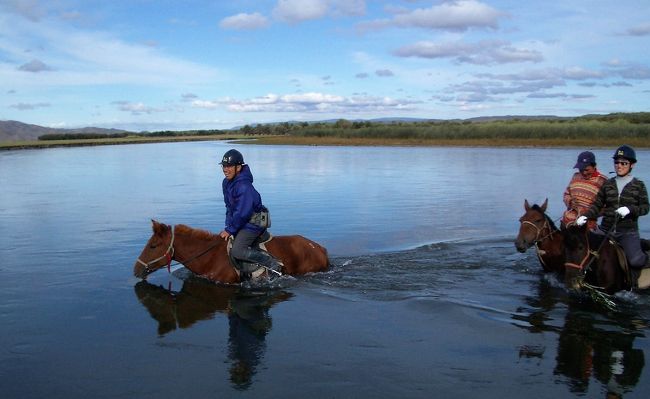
<point x="250" y="270"/>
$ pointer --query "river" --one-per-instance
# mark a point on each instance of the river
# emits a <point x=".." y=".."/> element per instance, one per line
<point x="426" y="296"/>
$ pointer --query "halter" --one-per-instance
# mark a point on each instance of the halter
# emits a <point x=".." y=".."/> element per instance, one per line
<point x="169" y="253"/>
<point x="540" y="253"/>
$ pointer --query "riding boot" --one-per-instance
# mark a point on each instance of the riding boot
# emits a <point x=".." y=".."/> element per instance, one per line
<point x="263" y="258"/>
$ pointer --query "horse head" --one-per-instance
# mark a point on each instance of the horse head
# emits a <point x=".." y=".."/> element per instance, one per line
<point x="532" y="223"/>
<point x="158" y="251"/>
<point x="576" y="254"/>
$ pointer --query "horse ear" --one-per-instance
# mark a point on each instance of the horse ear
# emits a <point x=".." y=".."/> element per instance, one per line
<point x="158" y="228"/>
<point x="543" y="207"/>
<point x="526" y="206"/>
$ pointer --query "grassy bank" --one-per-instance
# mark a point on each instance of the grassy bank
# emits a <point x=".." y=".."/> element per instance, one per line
<point x="589" y="131"/>
<point x="109" y="141"/>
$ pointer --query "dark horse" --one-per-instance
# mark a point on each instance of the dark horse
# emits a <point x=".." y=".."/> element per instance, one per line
<point x="205" y="253"/>
<point x="537" y="229"/>
<point x="594" y="259"/>
<point x="600" y="262"/>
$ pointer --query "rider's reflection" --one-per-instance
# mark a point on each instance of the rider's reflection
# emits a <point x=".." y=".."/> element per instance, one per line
<point x="248" y="317"/>
<point x="249" y="323"/>
<point x="587" y="346"/>
<point x="590" y="345"/>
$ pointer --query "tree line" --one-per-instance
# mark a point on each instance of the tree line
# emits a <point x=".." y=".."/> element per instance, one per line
<point x="610" y="126"/>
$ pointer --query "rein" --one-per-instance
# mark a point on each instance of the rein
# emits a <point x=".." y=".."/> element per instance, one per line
<point x="590" y="256"/>
<point x="169" y="254"/>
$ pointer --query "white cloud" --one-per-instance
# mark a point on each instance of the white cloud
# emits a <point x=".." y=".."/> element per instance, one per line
<point x="312" y="102"/>
<point x="484" y="53"/>
<point x="294" y="11"/>
<point x="453" y="15"/>
<point x="34" y="66"/>
<point x="244" y="22"/>
<point x="136" y="108"/>
<point x="639" y="30"/>
<point x="29" y="107"/>
<point x="83" y="57"/>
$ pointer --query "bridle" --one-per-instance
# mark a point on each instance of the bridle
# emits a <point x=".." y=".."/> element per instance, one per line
<point x="585" y="262"/>
<point x="540" y="252"/>
<point x="168" y="255"/>
<point x="539" y="231"/>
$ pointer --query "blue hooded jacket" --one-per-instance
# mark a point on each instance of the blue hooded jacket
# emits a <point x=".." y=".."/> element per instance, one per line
<point x="242" y="200"/>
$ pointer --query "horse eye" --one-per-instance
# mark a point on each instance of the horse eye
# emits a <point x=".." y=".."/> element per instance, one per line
<point x="153" y="246"/>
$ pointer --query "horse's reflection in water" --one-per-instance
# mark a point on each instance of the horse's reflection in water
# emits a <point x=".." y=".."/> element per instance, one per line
<point x="589" y="349"/>
<point x="247" y="311"/>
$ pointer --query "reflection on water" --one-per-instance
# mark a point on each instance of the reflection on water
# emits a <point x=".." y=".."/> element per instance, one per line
<point x="427" y="296"/>
<point x="247" y="312"/>
<point x="592" y="343"/>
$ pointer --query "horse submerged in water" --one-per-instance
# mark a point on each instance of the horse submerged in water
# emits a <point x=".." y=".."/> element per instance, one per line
<point x="537" y="229"/>
<point x="600" y="262"/>
<point x="206" y="255"/>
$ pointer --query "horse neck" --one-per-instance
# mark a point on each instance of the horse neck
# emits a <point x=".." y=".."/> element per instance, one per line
<point x="195" y="252"/>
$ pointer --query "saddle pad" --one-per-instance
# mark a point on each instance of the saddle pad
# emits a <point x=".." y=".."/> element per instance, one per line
<point x="644" y="279"/>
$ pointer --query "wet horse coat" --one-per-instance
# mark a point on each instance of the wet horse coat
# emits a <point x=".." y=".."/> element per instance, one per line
<point x="205" y="253"/>
<point x="537" y="229"/>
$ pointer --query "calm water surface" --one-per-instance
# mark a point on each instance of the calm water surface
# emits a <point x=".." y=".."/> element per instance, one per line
<point x="426" y="297"/>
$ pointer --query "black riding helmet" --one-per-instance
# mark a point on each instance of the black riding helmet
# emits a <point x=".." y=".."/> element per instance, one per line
<point x="627" y="152"/>
<point x="232" y="157"/>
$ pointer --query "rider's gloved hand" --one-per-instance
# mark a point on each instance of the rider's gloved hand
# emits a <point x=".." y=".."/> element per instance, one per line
<point x="581" y="220"/>
<point x="623" y="211"/>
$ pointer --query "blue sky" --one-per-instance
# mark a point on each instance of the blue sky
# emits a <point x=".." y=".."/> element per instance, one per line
<point x="158" y="65"/>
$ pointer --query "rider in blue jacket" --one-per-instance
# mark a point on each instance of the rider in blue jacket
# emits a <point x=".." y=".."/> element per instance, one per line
<point x="243" y="207"/>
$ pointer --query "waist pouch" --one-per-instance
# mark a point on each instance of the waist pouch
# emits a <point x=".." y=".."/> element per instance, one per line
<point x="261" y="218"/>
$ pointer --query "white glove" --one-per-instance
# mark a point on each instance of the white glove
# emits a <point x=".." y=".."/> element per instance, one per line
<point x="581" y="220"/>
<point x="623" y="211"/>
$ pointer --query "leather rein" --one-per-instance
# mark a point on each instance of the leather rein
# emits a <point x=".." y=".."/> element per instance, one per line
<point x="169" y="255"/>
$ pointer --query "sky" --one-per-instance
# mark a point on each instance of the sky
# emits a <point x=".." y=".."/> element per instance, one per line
<point x="146" y="65"/>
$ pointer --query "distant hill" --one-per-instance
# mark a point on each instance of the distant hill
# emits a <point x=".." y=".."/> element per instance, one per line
<point x="18" y="131"/>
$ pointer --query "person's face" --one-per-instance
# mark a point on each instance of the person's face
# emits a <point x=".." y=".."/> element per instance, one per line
<point x="587" y="171"/>
<point x="230" y="171"/>
<point x="622" y="166"/>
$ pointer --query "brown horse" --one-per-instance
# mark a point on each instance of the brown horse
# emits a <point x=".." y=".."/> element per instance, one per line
<point x="597" y="263"/>
<point x="205" y="253"/>
<point x="537" y="229"/>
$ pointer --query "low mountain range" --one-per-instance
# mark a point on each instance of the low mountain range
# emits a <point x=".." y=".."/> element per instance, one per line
<point x="18" y="131"/>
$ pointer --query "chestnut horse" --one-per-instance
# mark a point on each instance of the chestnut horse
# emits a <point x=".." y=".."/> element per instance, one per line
<point x="536" y="228"/>
<point x="205" y="253"/>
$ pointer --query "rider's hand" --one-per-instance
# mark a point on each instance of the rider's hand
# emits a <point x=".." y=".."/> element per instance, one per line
<point x="581" y="220"/>
<point x="224" y="234"/>
<point x="623" y="211"/>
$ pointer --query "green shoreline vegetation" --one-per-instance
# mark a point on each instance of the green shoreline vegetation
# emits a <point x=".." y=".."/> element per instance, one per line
<point x="590" y="131"/>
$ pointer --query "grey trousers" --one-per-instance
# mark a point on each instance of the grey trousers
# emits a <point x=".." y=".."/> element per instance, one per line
<point x="244" y="240"/>
<point x="630" y="241"/>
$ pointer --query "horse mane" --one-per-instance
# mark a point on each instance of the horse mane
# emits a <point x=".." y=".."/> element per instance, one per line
<point x="537" y="208"/>
<point x="195" y="233"/>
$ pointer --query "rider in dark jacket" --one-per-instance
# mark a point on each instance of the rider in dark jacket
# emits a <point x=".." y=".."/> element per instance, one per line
<point x="622" y="199"/>
<point x="242" y="203"/>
